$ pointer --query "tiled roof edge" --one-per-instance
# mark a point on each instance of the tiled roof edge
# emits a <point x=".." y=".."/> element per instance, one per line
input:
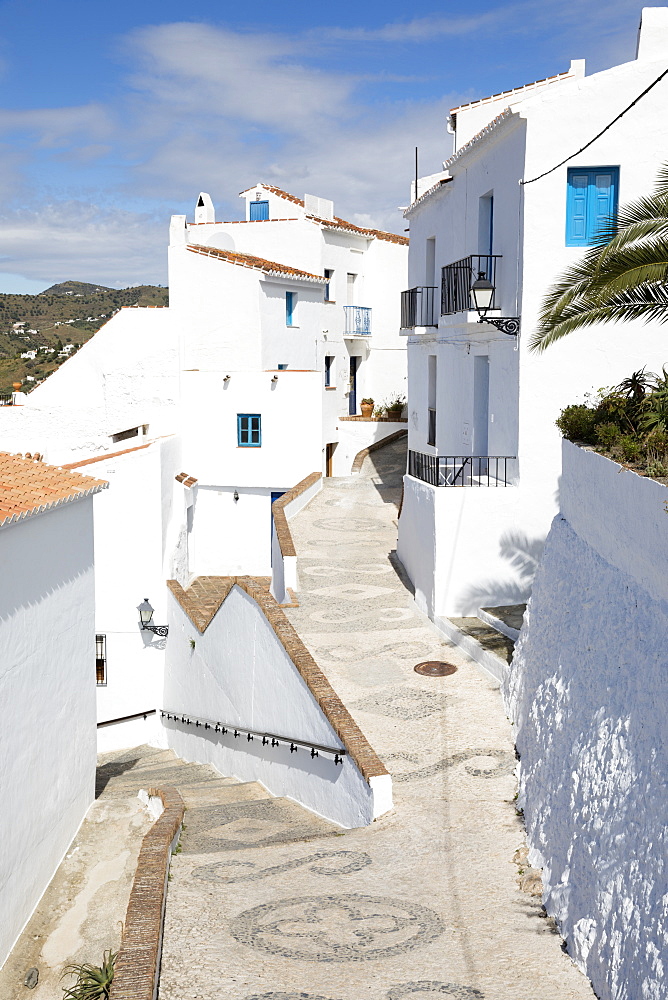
<point x="256" y="263"/>
<point x="283" y="532"/>
<point x="42" y="508"/>
<point x="566" y="75"/>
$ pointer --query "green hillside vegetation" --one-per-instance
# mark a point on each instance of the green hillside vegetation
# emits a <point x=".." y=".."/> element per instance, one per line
<point x="68" y="313"/>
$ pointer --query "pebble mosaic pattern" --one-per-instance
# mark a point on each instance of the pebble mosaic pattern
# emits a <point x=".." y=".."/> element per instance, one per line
<point x="353" y="861"/>
<point x="349" y="928"/>
<point x="403" y="703"/>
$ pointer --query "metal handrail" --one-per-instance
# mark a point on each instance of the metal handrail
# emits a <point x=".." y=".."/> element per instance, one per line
<point x="417" y="307"/>
<point x="458" y="277"/>
<point x="357" y="320"/>
<point x="461" y="470"/>
<point x="127" y="718"/>
<point x="267" y="738"/>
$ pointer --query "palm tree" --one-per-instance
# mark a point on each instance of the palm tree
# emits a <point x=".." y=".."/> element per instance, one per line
<point x="624" y="275"/>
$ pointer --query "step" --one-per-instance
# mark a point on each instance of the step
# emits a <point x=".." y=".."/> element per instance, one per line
<point x="222" y="792"/>
<point x="153" y="777"/>
<point x="142" y="752"/>
<point x="506" y="619"/>
<point x="491" y="650"/>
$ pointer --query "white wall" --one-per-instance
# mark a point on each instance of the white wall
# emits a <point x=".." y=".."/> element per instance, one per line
<point x="587" y="693"/>
<point x="130" y="525"/>
<point x="47" y="692"/>
<point x="239" y="672"/>
<point x="355" y="435"/>
<point x="125" y="376"/>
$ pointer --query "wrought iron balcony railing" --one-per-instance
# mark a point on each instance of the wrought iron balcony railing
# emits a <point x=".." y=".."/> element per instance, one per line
<point x="6" y="399"/>
<point x="358" y="321"/>
<point x="418" y="307"/>
<point x="431" y="426"/>
<point x="461" y="470"/>
<point x="457" y="279"/>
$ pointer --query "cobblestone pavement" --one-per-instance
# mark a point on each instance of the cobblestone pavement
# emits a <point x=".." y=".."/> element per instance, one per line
<point x="423" y="903"/>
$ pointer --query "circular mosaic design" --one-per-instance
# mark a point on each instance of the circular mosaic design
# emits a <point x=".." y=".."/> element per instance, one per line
<point x="349" y="524"/>
<point x="346" y="928"/>
<point x="427" y="986"/>
<point x="435" y="668"/>
<point x="504" y="763"/>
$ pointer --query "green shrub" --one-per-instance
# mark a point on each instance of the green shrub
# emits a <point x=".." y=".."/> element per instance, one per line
<point x="656" y="445"/>
<point x="577" y="423"/>
<point x="629" y="448"/>
<point x="93" y="982"/>
<point x="607" y="435"/>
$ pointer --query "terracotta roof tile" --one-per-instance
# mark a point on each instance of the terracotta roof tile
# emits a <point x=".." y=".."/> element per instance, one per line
<point x="28" y="487"/>
<point x="277" y="191"/>
<point x="258" y="263"/>
<point x="568" y="74"/>
<point x="104" y="456"/>
<point x="184" y="478"/>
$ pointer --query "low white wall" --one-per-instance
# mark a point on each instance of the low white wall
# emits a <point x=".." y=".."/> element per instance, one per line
<point x="355" y="435"/>
<point x="239" y="672"/>
<point x="587" y="690"/>
<point x="47" y="693"/>
<point x="472" y="546"/>
<point x="284" y="567"/>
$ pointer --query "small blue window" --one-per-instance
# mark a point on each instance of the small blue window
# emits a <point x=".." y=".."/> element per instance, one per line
<point x="249" y="432"/>
<point x="591" y="202"/>
<point x="259" y="211"/>
<point x="290" y="302"/>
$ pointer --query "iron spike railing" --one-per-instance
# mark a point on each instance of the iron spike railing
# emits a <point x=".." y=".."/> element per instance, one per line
<point x="418" y="307"/>
<point x="268" y="739"/>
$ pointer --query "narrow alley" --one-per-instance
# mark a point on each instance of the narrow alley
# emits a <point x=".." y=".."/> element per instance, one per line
<point x="273" y="903"/>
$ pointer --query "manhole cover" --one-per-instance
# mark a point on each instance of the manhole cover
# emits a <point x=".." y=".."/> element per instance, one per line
<point x="435" y="668"/>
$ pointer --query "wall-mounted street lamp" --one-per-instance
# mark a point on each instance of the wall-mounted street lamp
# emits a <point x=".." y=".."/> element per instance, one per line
<point x="146" y="619"/>
<point x="482" y="296"/>
<point x="235" y="496"/>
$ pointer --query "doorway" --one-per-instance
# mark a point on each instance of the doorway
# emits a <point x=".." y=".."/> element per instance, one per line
<point x="329" y="459"/>
<point x="352" y="386"/>
<point x="480" y="404"/>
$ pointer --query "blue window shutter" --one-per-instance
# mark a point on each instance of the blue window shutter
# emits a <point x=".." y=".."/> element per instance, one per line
<point x="603" y="201"/>
<point x="576" y="208"/>
<point x="259" y="211"/>
<point x="289" y="307"/>
<point x="590" y="203"/>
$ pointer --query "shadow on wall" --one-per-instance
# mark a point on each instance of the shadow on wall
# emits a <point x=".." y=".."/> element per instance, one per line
<point x="523" y="555"/>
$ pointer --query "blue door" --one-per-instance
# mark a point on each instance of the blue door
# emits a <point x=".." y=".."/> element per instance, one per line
<point x="352" y="394"/>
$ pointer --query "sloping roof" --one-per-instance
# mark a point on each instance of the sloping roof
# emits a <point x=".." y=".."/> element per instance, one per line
<point x="349" y="227"/>
<point x="277" y="191"/>
<point x="334" y="223"/>
<point x="506" y="94"/>
<point x="184" y="478"/>
<point x="103" y="456"/>
<point x="28" y="487"/>
<point x="257" y="263"/>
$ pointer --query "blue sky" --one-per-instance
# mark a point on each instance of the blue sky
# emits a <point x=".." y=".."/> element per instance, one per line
<point x="114" y="116"/>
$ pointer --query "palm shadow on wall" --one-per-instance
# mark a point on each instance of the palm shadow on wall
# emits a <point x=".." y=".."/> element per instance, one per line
<point x="523" y="555"/>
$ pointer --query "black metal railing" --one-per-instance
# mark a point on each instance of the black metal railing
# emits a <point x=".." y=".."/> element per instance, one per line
<point x="267" y="739"/>
<point x="457" y="279"/>
<point x="6" y="398"/>
<point x="358" y="320"/>
<point x="461" y="470"/>
<point x="418" y="307"/>
<point x="431" y="426"/>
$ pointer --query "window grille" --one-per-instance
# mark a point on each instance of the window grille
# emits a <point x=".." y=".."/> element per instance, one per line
<point x="101" y="660"/>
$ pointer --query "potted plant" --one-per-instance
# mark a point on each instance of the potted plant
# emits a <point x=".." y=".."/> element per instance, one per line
<point x="394" y="407"/>
<point x="366" y="406"/>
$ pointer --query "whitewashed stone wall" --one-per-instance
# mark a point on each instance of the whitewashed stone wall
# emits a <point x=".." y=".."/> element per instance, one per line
<point x="588" y="693"/>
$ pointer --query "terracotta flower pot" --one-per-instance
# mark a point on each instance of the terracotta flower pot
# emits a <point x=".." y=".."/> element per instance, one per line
<point x="367" y="409"/>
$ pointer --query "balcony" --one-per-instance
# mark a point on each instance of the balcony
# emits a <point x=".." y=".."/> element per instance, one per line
<point x="357" y="321"/>
<point x="7" y="399"/>
<point x="418" y="307"/>
<point x="457" y="279"/>
<point x="462" y="470"/>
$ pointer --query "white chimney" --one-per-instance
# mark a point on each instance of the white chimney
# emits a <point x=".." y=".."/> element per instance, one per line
<point x="204" y="210"/>
<point x="653" y="34"/>
<point x="320" y="207"/>
<point x="177" y="231"/>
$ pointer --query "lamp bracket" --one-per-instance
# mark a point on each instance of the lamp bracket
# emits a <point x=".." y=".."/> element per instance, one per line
<point x="156" y="629"/>
<point x="506" y="324"/>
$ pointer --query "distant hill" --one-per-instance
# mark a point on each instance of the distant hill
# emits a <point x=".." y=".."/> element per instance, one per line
<point x="70" y="312"/>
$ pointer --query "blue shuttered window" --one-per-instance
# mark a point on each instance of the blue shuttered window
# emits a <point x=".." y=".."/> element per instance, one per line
<point x="249" y="432"/>
<point x="590" y="202"/>
<point x="290" y="302"/>
<point x="259" y="211"/>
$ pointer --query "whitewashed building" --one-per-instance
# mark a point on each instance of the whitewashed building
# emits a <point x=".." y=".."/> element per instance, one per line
<point x="203" y="413"/>
<point x="47" y="676"/>
<point x="534" y="169"/>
